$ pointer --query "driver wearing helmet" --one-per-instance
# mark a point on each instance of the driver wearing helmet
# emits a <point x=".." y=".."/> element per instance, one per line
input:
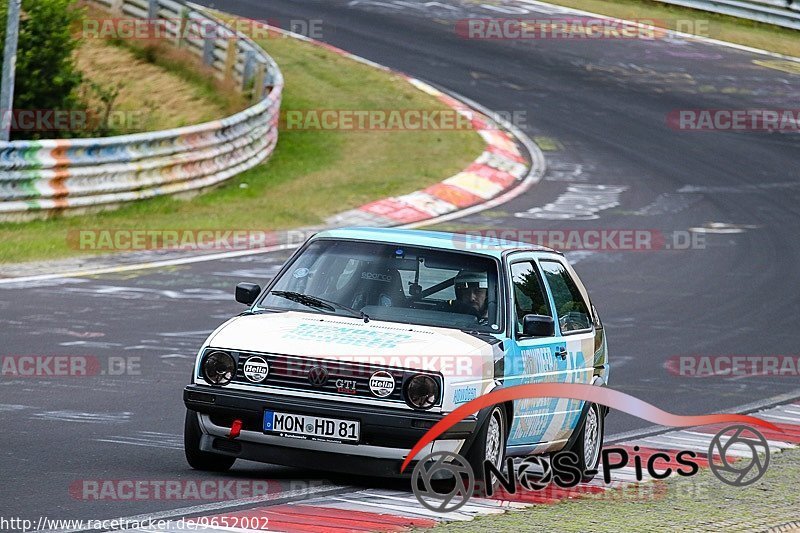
<point x="471" y="293"/>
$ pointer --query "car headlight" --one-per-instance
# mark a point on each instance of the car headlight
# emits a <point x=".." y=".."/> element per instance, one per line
<point x="219" y="368"/>
<point x="422" y="392"/>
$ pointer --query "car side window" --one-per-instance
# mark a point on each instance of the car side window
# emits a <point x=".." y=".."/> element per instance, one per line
<point x="529" y="295"/>
<point x="572" y="311"/>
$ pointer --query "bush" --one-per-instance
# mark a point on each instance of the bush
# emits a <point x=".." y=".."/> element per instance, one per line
<point x="47" y="77"/>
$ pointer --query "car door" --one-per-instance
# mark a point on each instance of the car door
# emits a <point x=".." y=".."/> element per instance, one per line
<point x="575" y="327"/>
<point x="532" y="360"/>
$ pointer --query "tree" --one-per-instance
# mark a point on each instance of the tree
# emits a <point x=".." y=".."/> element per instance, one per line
<point x="47" y="77"/>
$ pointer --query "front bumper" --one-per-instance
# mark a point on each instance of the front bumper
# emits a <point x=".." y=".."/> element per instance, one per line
<point x="387" y="434"/>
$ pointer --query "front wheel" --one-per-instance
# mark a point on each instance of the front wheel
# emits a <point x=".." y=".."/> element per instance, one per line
<point x="589" y="442"/>
<point x="198" y="459"/>
<point x="489" y="444"/>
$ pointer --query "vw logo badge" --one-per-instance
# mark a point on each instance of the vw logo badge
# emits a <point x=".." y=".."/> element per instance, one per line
<point x="318" y="376"/>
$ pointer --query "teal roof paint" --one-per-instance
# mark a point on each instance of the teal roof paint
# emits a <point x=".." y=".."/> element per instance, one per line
<point x="432" y="239"/>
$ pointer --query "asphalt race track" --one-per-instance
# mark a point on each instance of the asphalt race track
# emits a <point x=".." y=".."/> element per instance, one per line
<point x="598" y="108"/>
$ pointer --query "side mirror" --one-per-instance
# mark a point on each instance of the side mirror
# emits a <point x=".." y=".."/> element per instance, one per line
<point x="246" y="293"/>
<point x="538" y="326"/>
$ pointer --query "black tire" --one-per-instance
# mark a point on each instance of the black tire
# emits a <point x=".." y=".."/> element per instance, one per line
<point x="489" y="443"/>
<point x="588" y="450"/>
<point x="198" y="459"/>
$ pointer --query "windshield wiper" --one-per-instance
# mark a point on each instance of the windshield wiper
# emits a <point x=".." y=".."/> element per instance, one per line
<point x="484" y="336"/>
<point x="319" y="303"/>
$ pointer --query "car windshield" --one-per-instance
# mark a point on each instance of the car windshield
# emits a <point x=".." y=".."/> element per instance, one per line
<point x="396" y="283"/>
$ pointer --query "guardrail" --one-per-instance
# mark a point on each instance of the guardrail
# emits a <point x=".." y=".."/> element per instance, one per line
<point x="39" y="178"/>
<point x="785" y="13"/>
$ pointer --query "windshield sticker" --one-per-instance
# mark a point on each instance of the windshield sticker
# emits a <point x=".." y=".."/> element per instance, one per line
<point x="375" y="276"/>
<point x="300" y="273"/>
<point x="345" y="335"/>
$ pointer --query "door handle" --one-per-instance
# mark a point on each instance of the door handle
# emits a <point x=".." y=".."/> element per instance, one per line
<point x="561" y="353"/>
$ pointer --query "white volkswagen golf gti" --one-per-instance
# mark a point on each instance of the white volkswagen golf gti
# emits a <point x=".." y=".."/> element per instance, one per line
<point x="367" y="337"/>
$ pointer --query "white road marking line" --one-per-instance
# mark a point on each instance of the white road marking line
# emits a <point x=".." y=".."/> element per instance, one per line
<point x="417" y="510"/>
<point x="497" y="503"/>
<point x="76" y="416"/>
<point x="700" y="38"/>
<point x="347" y="505"/>
<point x="7" y="407"/>
<point x="699" y="438"/>
<point x="790" y="412"/>
<point x="149" y="265"/>
<point x="778" y="417"/>
<point x="624" y="474"/>
<point x="735" y="450"/>
<point x="146" y="444"/>
<point x="664" y="443"/>
<point x="408" y="498"/>
<point x="772" y="443"/>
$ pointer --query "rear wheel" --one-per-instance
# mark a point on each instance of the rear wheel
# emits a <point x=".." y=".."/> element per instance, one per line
<point x="489" y="444"/>
<point x="590" y="441"/>
<point x="198" y="459"/>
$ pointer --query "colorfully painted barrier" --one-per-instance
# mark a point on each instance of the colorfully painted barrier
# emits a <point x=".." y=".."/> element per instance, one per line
<point x="39" y="178"/>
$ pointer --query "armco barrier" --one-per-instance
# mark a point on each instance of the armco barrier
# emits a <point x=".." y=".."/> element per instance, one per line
<point x="785" y="13"/>
<point x="38" y="178"/>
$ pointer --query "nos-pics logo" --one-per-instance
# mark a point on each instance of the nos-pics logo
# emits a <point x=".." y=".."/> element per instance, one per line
<point x="445" y="481"/>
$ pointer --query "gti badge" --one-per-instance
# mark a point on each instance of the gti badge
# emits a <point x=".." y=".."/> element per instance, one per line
<point x="346" y="386"/>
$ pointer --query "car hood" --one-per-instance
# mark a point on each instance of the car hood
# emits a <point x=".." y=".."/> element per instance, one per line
<point x="323" y="336"/>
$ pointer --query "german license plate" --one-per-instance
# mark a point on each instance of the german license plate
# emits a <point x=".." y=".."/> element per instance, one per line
<point x="311" y="427"/>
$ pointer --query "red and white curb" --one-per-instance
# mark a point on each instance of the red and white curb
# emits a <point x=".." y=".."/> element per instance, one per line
<point x="499" y="168"/>
<point x="394" y="510"/>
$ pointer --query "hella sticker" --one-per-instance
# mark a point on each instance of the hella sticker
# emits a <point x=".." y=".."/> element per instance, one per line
<point x="381" y="384"/>
<point x="256" y="369"/>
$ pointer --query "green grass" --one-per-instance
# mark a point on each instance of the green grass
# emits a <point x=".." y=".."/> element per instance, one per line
<point x="186" y="66"/>
<point x="312" y="174"/>
<point x="165" y="88"/>
<point x="740" y="31"/>
<point x="700" y="503"/>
